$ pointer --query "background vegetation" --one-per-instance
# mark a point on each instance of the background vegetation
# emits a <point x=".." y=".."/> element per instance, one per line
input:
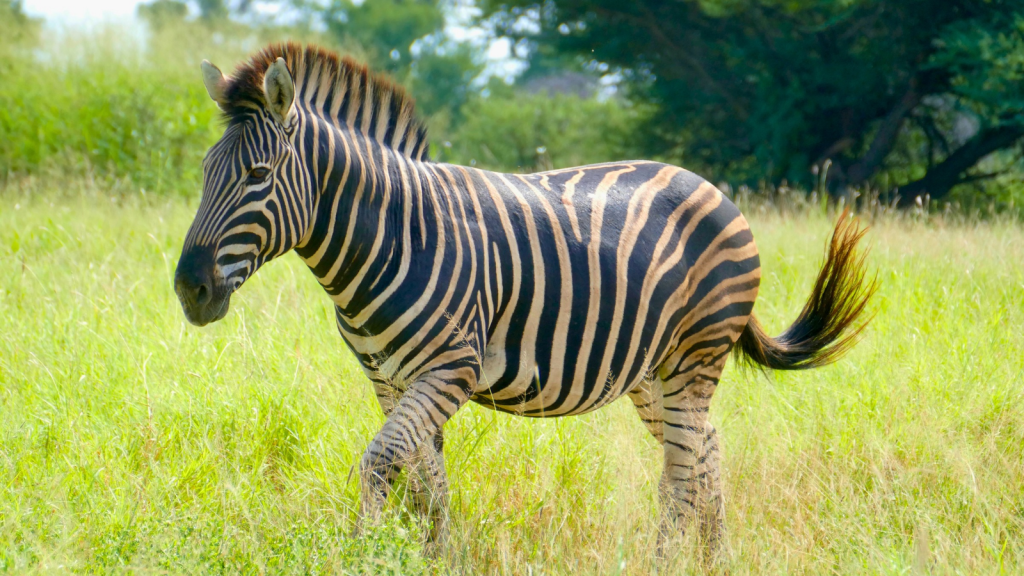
<point x="908" y="93"/>
<point x="904" y="98"/>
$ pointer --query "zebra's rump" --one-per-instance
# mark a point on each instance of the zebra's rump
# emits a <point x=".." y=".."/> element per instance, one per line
<point x="603" y="276"/>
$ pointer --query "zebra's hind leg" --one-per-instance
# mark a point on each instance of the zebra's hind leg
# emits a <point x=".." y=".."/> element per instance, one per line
<point x="686" y="399"/>
<point x="711" y="503"/>
<point x="646" y="399"/>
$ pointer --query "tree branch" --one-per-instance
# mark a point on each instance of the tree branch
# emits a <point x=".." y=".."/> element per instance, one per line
<point x="652" y="24"/>
<point x="979" y="177"/>
<point x="885" y="138"/>
<point x="938" y="181"/>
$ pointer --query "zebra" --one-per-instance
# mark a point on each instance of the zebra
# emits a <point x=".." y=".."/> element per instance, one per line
<point x="541" y="295"/>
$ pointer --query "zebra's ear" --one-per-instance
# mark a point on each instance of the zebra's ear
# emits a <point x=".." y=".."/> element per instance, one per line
<point x="279" y="91"/>
<point x="215" y="83"/>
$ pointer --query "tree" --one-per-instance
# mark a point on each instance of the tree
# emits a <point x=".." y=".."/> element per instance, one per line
<point x="16" y="28"/>
<point x="765" y="91"/>
<point x="18" y="35"/>
<point x="162" y="13"/>
<point x="212" y="9"/>
<point x="441" y="79"/>
<point x="386" y="29"/>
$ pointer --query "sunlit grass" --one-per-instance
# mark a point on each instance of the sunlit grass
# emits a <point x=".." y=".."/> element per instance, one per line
<point x="130" y="439"/>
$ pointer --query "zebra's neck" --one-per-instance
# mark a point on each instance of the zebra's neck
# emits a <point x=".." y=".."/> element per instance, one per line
<point x="362" y="216"/>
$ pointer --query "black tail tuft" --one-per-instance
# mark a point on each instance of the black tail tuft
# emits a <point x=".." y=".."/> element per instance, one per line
<point x="825" y="329"/>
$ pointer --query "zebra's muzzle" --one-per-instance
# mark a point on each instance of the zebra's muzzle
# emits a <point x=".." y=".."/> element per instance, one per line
<point x="203" y="294"/>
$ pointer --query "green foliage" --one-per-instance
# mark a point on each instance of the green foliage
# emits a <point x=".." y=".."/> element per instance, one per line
<point x="139" y="118"/>
<point x="17" y="34"/>
<point x="107" y="114"/>
<point x="986" y="61"/>
<point x="516" y="132"/>
<point x="162" y="13"/>
<point x="159" y="13"/>
<point x="386" y="29"/>
<point x="441" y="79"/>
<point x="406" y="39"/>
<point x="766" y="91"/>
<point x="99" y="104"/>
<point x="212" y="9"/>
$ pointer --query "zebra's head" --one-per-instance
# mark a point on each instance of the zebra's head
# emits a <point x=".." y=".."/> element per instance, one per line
<point x="257" y="198"/>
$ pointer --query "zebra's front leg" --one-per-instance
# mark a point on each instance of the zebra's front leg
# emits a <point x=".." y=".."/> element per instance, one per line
<point x="408" y="435"/>
<point x="428" y="482"/>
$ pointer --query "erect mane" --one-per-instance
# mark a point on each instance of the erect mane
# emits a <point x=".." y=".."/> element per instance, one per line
<point x="339" y="90"/>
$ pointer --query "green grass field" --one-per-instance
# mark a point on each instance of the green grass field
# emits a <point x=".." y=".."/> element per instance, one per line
<point x="132" y="441"/>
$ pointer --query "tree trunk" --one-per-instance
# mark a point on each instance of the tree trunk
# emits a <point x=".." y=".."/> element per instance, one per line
<point x="885" y="138"/>
<point x="945" y="175"/>
<point x="855" y="174"/>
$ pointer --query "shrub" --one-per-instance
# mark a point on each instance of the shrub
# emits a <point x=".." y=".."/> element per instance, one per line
<point x="523" y="133"/>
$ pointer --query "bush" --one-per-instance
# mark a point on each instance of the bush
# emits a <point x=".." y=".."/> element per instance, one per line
<point x="100" y="105"/>
<point x="110" y="104"/>
<point x="521" y="133"/>
<point x="132" y="112"/>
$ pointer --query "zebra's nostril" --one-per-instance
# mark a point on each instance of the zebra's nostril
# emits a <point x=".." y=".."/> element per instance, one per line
<point x="203" y="295"/>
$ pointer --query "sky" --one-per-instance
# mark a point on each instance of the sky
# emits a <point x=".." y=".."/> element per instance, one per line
<point x="79" y="10"/>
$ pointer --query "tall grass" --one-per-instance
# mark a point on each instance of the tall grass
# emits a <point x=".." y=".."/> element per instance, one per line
<point x="130" y="440"/>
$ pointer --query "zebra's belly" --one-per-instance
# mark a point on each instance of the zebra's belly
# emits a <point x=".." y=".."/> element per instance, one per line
<point x="537" y="409"/>
<point x="531" y="393"/>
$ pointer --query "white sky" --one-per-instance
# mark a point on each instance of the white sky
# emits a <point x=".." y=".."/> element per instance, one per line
<point x="77" y="10"/>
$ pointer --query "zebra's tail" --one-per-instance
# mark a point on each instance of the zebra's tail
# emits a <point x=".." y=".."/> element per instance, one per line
<point x="826" y="328"/>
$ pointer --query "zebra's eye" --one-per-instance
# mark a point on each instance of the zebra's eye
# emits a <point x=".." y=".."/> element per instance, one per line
<point x="258" y="174"/>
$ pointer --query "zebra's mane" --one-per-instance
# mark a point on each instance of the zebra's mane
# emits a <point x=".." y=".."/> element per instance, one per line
<point x="339" y="90"/>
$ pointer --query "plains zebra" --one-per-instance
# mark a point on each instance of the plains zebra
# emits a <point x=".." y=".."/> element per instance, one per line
<point x="543" y="295"/>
